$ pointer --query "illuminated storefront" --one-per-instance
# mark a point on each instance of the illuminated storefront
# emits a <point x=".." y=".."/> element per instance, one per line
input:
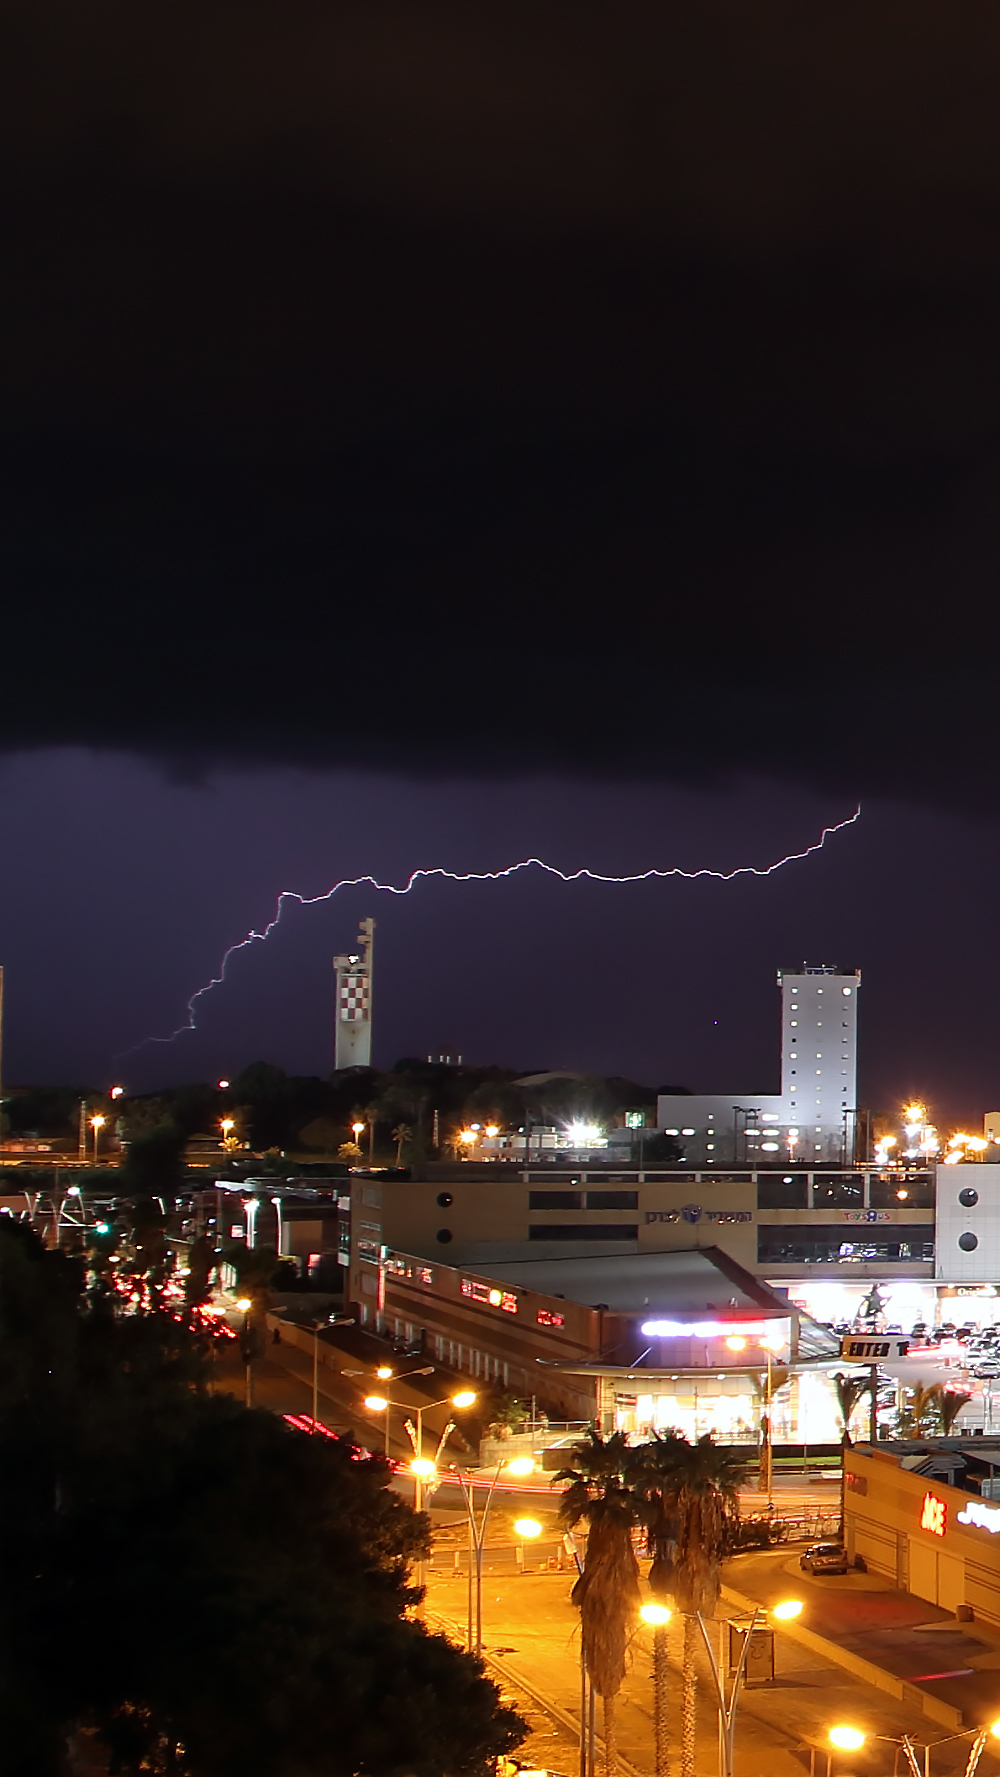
<point x="831" y="1302"/>
<point x="728" y="1404"/>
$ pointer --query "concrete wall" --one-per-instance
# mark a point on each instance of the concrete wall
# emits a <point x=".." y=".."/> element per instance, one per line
<point x="977" y="1220"/>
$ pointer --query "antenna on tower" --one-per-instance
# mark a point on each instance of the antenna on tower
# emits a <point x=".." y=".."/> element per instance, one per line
<point x="353" y="1042"/>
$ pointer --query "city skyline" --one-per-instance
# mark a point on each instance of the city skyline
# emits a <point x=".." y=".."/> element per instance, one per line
<point x="111" y="922"/>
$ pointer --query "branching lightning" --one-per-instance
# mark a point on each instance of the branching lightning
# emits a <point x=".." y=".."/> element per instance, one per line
<point x="292" y="897"/>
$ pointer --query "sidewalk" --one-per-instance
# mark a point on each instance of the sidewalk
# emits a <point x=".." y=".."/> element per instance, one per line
<point x="959" y="1663"/>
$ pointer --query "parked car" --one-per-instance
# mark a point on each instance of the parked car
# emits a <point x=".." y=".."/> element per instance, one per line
<point x="988" y="1366"/>
<point x="824" y="1558"/>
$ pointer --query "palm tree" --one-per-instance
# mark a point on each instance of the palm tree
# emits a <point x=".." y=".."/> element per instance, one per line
<point x="950" y="1405"/>
<point x="701" y="1489"/>
<point x="921" y="1414"/>
<point x="607" y="1591"/>
<point x="850" y="1390"/>
<point x="652" y="1472"/>
<point x="401" y="1135"/>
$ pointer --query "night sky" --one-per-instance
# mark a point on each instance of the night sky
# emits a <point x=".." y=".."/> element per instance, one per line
<point x="434" y="435"/>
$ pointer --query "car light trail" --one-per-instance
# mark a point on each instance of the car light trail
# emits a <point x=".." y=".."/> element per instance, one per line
<point x="290" y="897"/>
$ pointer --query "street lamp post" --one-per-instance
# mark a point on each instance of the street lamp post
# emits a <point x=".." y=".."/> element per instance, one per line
<point x="466" y="1397"/>
<point x="245" y="1306"/>
<point x="425" y="1472"/>
<point x="844" y="1738"/>
<point x="527" y="1529"/>
<point x="520" y="1465"/>
<point x="329" y="1320"/>
<point x="97" y="1124"/>
<point x="380" y="1403"/>
<point x="658" y="1616"/>
<point x="728" y="1706"/>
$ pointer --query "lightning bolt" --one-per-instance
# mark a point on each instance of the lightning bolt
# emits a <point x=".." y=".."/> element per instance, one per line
<point x="292" y="897"/>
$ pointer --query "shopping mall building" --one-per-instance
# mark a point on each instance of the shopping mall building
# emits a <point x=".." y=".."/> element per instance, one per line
<point x="600" y="1255"/>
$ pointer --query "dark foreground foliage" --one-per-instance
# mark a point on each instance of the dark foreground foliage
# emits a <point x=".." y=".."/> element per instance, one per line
<point x="209" y="1591"/>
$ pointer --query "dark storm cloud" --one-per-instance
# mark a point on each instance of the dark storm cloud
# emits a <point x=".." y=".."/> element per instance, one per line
<point x="550" y="386"/>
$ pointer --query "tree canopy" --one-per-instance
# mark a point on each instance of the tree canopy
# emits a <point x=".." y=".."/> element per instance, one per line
<point x="207" y="1590"/>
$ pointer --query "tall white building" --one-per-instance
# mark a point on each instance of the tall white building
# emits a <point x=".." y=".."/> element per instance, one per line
<point x="353" y="1044"/>
<point x="812" y="1119"/>
<point x="819" y="1056"/>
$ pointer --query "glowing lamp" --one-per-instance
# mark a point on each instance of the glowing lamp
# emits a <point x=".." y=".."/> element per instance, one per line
<point x="848" y="1739"/>
<point x="383" y="1372"/>
<point x="244" y="1304"/>
<point x="787" y="1609"/>
<point x="528" y="1528"/>
<point x="656" y="1614"/>
<point x="467" y="1398"/>
<point x="376" y="1403"/>
<point x="423" y="1468"/>
<point x="521" y="1465"/>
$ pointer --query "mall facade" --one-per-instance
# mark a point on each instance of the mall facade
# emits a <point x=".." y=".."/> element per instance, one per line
<point x="684" y="1339"/>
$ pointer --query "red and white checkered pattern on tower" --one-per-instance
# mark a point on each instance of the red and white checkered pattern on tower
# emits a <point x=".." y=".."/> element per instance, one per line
<point x="354" y="1005"/>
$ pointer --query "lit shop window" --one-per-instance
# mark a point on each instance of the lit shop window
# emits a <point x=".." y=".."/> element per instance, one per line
<point x="545" y="1319"/>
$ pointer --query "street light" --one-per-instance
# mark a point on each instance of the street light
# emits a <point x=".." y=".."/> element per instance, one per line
<point x="783" y="1611"/>
<point x="97" y="1124"/>
<point x="380" y="1403"/>
<point x="847" y="1739"/>
<point x="527" y="1529"/>
<point x="245" y="1305"/>
<point x="658" y="1616"/>
<point x="328" y="1320"/>
<point x="518" y="1466"/>
<point x="786" y="1611"/>
<point x="465" y="1398"/>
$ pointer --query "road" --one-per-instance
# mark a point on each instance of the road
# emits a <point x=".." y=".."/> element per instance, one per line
<point x="531" y="1625"/>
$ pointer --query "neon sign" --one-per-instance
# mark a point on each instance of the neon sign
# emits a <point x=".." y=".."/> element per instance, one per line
<point x="933" y="1514"/>
<point x="701" y="1329"/>
<point x="987" y="1517"/>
